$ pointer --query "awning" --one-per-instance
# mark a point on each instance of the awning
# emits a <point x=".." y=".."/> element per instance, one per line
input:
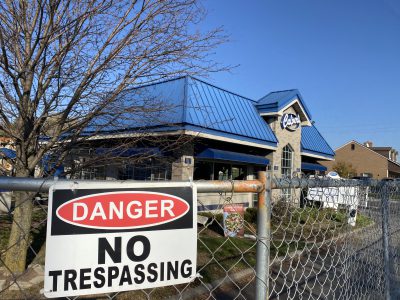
<point x="216" y="154"/>
<point x="8" y="153"/>
<point x="312" y="167"/>
<point x="128" y="152"/>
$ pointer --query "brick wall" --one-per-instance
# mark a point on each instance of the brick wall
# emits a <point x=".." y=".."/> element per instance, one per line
<point x="364" y="160"/>
<point x="284" y="137"/>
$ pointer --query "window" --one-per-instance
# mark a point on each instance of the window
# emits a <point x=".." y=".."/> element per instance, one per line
<point x="125" y="172"/>
<point x="219" y="171"/>
<point x="239" y="172"/>
<point x="287" y="161"/>
<point x="369" y="175"/>
<point x="287" y="166"/>
<point x="151" y="171"/>
<point x="94" y="173"/>
<point x="222" y="171"/>
<point x="203" y="170"/>
<point x="353" y="146"/>
<point x="256" y="169"/>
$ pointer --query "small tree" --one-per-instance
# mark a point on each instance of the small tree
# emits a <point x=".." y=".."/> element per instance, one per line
<point x="65" y="64"/>
<point x="344" y="169"/>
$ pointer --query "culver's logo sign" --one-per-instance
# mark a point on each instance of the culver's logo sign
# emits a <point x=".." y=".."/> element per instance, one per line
<point x="290" y="122"/>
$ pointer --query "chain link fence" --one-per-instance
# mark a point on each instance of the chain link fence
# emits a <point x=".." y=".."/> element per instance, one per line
<point x="304" y="238"/>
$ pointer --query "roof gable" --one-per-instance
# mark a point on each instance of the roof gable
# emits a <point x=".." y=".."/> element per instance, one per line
<point x="278" y="101"/>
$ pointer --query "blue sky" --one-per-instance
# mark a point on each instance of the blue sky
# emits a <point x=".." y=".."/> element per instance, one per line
<point x="343" y="56"/>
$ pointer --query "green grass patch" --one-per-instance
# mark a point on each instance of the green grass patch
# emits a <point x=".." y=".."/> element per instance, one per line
<point x="363" y="221"/>
<point x="219" y="255"/>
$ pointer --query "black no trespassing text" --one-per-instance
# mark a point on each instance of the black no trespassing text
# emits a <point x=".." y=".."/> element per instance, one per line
<point x="121" y="275"/>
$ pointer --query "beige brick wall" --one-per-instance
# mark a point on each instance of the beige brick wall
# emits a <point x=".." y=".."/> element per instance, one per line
<point x="183" y="166"/>
<point x="364" y="160"/>
<point x="284" y="137"/>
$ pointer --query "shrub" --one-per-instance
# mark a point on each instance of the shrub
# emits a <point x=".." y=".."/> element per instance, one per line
<point x="250" y="215"/>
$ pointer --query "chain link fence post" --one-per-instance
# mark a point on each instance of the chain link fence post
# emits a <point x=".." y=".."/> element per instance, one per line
<point x="385" y="240"/>
<point x="263" y="234"/>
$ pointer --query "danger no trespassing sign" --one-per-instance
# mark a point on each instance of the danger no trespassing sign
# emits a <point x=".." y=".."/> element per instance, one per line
<point x="123" y="237"/>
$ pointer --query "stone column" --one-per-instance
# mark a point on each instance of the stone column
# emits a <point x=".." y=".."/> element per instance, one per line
<point x="183" y="166"/>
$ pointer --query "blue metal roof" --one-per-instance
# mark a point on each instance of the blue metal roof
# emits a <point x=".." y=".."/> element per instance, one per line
<point x="189" y="103"/>
<point x="275" y="101"/>
<point x="147" y="106"/>
<point x="49" y="163"/>
<point x="216" y="109"/>
<point x="312" y="142"/>
<point x="217" y="154"/>
<point x="9" y="153"/>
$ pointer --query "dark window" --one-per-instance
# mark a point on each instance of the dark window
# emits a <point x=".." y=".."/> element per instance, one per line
<point x="353" y="146"/>
<point x="126" y="172"/>
<point x="258" y="168"/>
<point x="239" y="172"/>
<point x="222" y="171"/>
<point x="203" y="170"/>
<point x="152" y="171"/>
<point x="98" y="172"/>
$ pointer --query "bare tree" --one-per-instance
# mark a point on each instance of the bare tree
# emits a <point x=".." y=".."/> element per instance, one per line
<point x="65" y="63"/>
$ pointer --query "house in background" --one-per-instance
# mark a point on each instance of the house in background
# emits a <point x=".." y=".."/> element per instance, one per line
<point x="367" y="160"/>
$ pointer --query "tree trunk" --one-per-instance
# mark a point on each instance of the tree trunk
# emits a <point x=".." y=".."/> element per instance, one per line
<point x="18" y="242"/>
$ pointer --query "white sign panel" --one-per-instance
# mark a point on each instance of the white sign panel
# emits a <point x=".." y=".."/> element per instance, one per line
<point x="123" y="237"/>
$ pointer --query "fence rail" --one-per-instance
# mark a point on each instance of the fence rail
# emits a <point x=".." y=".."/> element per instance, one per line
<point x="308" y="238"/>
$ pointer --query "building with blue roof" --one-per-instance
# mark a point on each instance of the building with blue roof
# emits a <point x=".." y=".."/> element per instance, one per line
<point x="230" y="136"/>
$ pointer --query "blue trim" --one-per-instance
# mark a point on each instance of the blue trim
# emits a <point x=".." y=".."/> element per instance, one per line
<point x="216" y="154"/>
<point x="313" y="167"/>
<point x="305" y="152"/>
